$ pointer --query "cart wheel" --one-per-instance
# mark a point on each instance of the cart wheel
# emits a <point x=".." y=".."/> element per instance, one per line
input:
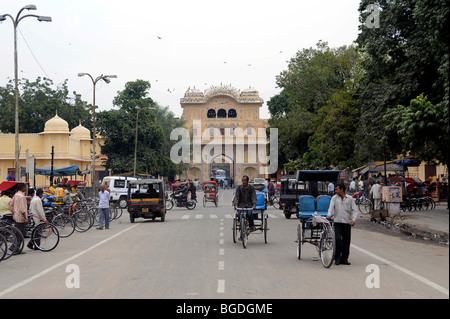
<point x="132" y="218"/>
<point x="163" y="217"/>
<point x="244" y="232"/>
<point x="265" y="229"/>
<point x="204" y="201"/>
<point x="326" y="247"/>
<point x="235" y="228"/>
<point x="299" y="241"/>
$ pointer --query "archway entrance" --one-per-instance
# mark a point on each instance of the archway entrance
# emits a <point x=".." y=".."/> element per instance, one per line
<point x="222" y="167"/>
<point x="250" y="172"/>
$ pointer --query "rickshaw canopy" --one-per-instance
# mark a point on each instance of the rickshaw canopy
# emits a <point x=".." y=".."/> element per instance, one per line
<point x="318" y="175"/>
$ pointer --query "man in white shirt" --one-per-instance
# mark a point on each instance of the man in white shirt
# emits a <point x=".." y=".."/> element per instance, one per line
<point x="345" y="212"/>
<point x="37" y="210"/>
<point x="352" y="187"/>
<point x="376" y="193"/>
<point x="103" y="206"/>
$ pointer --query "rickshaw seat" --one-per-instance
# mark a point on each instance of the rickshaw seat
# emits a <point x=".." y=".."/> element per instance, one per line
<point x="260" y="204"/>
<point x="323" y="203"/>
<point x="307" y="206"/>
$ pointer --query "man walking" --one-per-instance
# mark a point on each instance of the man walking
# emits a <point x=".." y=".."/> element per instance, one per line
<point x="103" y="206"/>
<point x="345" y="212"/>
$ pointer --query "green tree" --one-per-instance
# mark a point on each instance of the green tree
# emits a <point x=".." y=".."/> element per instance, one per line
<point x="406" y="56"/>
<point x="38" y="102"/>
<point x="118" y="127"/>
<point x="423" y="128"/>
<point x="316" y="103"/>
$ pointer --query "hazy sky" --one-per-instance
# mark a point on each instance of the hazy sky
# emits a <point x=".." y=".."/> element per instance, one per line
<point x="255" y="38"/>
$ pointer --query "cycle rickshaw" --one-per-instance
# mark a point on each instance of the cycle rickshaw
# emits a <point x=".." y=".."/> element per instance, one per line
<point x="314" y="227"/>
<point x="211" y="191"/>
<point x="241" y="228"/>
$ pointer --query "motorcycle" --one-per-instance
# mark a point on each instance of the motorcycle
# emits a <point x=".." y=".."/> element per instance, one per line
<point x="179" y="200"/>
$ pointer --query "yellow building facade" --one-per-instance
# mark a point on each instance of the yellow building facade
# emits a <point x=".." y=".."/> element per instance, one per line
<point x="70" y="147"/>
<point x="228" y="136"/>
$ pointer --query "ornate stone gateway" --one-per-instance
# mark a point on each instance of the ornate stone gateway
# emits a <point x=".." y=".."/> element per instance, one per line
<point x="231" y="135"/>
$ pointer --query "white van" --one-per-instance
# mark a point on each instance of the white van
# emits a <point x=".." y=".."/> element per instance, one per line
<point x="118" y="186"/>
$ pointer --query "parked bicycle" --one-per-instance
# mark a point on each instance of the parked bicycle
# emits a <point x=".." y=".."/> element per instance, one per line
<point x="364" y="204"/>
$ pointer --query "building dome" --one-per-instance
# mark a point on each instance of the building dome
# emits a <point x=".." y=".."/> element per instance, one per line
<point x="56" y="125"/>
<point x="80" y="132"/>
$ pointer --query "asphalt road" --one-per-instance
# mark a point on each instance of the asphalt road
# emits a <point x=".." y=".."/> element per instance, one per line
<point x="192" y="256"/>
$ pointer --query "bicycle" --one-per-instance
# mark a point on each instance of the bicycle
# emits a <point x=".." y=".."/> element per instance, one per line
<point x="63" y="222"/>
<point x="364" y="204"/>
<point x="273" y="200"/>
<point x="44" y="236"/>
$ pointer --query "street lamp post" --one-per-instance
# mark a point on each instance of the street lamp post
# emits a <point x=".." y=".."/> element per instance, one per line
<point x="16" y="80"/>
<point x="106" y="79"/>
<point x="135" y="141"/>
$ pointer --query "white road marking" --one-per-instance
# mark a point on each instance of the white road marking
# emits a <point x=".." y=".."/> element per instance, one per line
<point x="198" y="216"/>
<point x="185" y="217"/>
<point x="213" y="215"/>
<point x="404" y="270"/>
<point x="65" y="261"/>
<point x="221" y="265"/>
<point x="221" y="286"/>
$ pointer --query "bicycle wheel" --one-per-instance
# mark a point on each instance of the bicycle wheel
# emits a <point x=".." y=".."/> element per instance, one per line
<point x="20" y="239"/>
<point x="64" y="224"/>
<point x="119" y="212"/>
<point x="45" y="237"/>
<point x="235" y="228"/>
<point x="3" y="247"/>
<point x="11" y="242"/>
<point x="326" y="247"/>
<point x="83" y="221"/>
<point x="276" y="202"/>
<point x="244" y="232"/>
<point x="364" y="206"/>
<point x="299" y="241"/>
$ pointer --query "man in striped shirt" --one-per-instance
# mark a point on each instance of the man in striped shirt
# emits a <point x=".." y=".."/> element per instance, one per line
<point x="19" y="209"/>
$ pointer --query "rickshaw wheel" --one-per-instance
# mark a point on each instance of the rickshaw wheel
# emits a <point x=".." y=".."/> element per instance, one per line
<point x="265" y="229"/>
<point x="235" y="229"/>
<point x="204" y="201"/>
<point x="327" y="248"/>
<point x="244" y="232"/>
<point x="299" y="241"/>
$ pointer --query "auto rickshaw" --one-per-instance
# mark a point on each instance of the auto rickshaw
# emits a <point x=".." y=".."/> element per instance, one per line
<point x="147" y="199"/>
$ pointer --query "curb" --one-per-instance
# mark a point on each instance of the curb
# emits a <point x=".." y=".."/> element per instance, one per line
<point x="414" y="231"/>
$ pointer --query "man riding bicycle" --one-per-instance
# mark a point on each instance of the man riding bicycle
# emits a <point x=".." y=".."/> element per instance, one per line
<point x="246" y="198"/>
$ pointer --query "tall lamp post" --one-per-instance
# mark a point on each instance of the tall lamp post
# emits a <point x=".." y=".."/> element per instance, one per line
<point x="106" y="79"/>
<point x="16" y="81"/>
<point x="135" y="141"/>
